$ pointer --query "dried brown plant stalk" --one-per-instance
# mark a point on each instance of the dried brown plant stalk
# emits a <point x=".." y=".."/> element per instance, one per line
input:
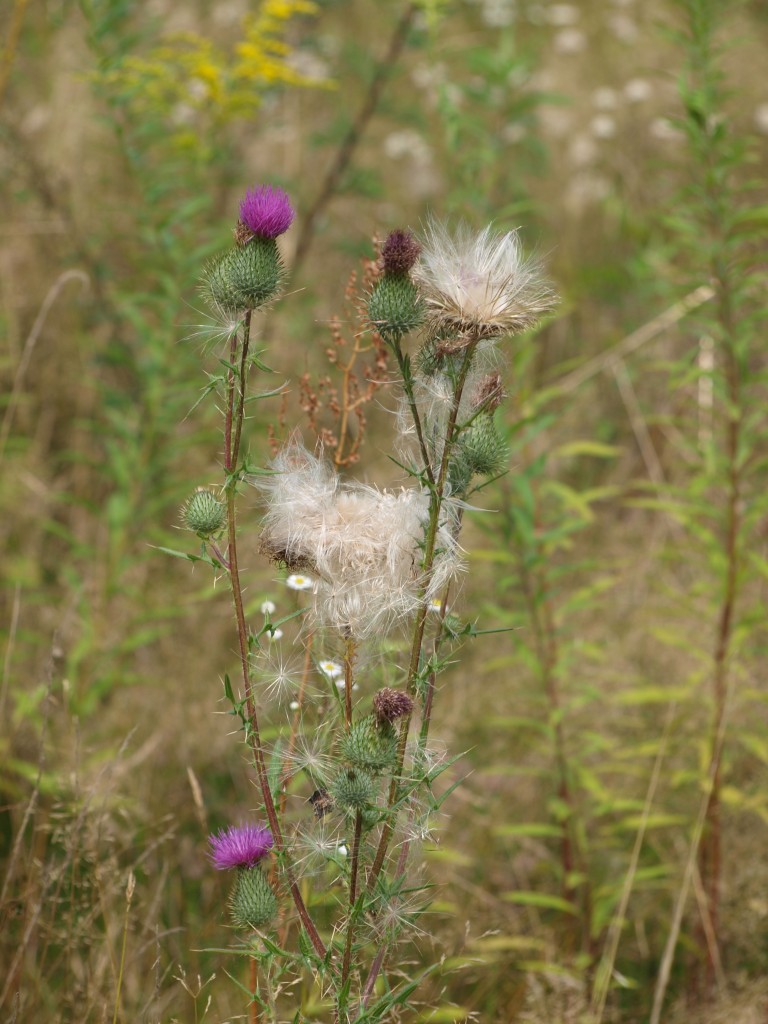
<point x="335" y="403"/>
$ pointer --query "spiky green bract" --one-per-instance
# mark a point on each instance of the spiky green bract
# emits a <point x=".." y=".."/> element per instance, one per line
<point x="252" y="904"/>
<point x="370" y="745"/>
<point x="203" y="513"/>
<point x="353" y="789"/>
<point x="394" y="306"/>
<point x="480" y="451"/>
<point x="244" y="277"/>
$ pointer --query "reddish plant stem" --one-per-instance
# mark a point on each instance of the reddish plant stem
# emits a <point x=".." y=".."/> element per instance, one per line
<point x="710" y="861"/>
<point x="253" y="735"/>
<point x="254" y="1012"/>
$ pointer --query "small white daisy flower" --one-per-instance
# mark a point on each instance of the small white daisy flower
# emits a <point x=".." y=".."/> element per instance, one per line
<point x="332" y="669"/>
<point x="436" y="604"/>
<point x="480" y="285"/>
<point x="275" y="634"/>
<point x="342" y="850"/>
<point x="268" y="608"/>
<point x="298" y="582"/>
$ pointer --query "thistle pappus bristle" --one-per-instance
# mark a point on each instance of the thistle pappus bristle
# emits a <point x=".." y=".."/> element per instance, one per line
<point x="480" y="284"/>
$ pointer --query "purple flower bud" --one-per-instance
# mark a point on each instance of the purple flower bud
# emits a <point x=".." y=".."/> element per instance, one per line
<point x="399" y="252"/>
<point x="391" y="704"/>
<point x="266" y="211"/>
<point x="240" y="846"/>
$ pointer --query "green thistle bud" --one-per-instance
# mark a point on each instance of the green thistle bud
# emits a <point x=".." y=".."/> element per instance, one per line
<point x="394" y="306"/>
<point x="480" y="451"/>
<point x="484" y="447"/>
<point x="352" y="789"/>
<point x="203" y="513"/>
<point x="252" y="904"/>
<point x="245" y="277"/>
<point x="370" y="745"/>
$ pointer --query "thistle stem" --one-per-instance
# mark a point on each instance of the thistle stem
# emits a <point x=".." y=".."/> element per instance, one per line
<point x="234" y="416"/>
<point x="349" y="657"/>
<point x="405" y="372"/>
<point x="353" y="873"/>
<point x="437" y="494"/>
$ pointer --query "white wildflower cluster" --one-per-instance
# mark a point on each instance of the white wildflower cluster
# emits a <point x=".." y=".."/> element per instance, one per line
<point x="363" y="546"/>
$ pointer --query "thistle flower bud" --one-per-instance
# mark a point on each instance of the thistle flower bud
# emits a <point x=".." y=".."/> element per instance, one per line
<point x="394" y="306"/>
<point x="480" y="451"/>
<point x="370" y="744"/>
<point x="203" y="513"/>
<point x="244" y="277"/>
<point x="389" y="704"/>
<point x="353" y="789"/>
<point x="400" y="252"/>
<point x="252" y="904"/>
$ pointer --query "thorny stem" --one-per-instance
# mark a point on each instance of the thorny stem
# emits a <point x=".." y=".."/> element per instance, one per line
<point x="436" y="503"/>
<point x="239" y="417"/>
<point x="426" y="715"/>
<point x="254" y="1011"/>
<point x="405" y="373"/>
<point x="253" y="735"/>
<point x="353" y="874"/>
<point x="378" y="961"/>
<point x="349" y="658"/>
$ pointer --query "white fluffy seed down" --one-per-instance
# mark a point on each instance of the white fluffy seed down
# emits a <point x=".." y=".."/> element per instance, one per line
<point x="362" y="544"/>
<point x="480" y="284"/>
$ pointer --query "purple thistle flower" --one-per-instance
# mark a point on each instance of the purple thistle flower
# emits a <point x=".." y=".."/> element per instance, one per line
<point x="266" y="211"/>
<point x="240" y="846"/>
<point x="400" y="252"/>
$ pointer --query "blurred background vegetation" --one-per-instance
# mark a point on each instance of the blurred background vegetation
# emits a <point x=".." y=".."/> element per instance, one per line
<point x="604" y="860"/>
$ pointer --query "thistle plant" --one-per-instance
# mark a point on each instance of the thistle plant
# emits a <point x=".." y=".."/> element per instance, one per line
<point x="324" y="893"/>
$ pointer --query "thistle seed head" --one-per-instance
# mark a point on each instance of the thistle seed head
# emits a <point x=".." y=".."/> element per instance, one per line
<point x="480" y="285"/>
<point x="363" y="545"/>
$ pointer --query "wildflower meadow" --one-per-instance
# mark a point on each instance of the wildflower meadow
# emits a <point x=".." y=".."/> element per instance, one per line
<point x="383" y="491"/>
